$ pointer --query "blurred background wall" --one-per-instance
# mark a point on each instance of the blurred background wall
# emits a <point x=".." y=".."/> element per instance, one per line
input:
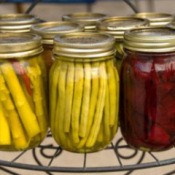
<point x="54" y="11"/>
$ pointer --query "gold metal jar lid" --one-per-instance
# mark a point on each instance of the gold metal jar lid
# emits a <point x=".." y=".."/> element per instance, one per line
<point x="17" y="23"/>
<point x="154" y="40"/>
<point x="116" y="26"/>
<point x="87" y="20"/>
<point x="84" y="45"/>
<point x="171" y="25"/>
<point x="48" y="30"/>
<point x="19" y="45"/>
<point x="156" y="19"/>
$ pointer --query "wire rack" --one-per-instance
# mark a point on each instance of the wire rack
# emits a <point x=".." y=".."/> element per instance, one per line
<point x="118" y="156"/>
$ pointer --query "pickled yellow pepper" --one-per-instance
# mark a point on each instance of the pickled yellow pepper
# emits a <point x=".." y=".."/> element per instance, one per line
<point x="15" y="125"/>
<point x="26" y="114"/>
<point x="5" y="137"/>
<point x="34" y="73"/>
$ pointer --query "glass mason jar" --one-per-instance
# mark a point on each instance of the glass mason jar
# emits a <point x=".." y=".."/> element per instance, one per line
<point x="48" y="30"/>
<point x="116" y="26"/>
<point x="87" y="20"/>
<point x="23" y="112"/>
<point x="172" y="24"/>
<point x="156" y="19"/>
<point x="147" y="115"/>
<point x="84" y="92"/>
<point x="17" y="23"/>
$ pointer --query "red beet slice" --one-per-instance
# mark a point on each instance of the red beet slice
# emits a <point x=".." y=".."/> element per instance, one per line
<point x="158" y="135"/>
<point x="166" y="114"/>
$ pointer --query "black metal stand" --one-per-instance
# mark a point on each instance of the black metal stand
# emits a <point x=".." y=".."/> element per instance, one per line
<point x="52" y="153"/>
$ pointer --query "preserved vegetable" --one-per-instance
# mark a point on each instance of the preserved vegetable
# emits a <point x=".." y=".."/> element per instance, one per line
<point x="17" y="22"/>
<point x="87" y="20"/>
<point x="147" y="89"/>
<point x="84" y="92"/>
<point x="23" y="109"/>
<point x="117" y="26"/>
<point x="156" y="19"/>
<point x="48" y="30"/>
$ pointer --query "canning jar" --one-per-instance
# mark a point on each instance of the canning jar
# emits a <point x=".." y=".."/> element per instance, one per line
<point x="23" y="111"/>
<point x="116" y="26"/>
<point x="48" y="30"/>
<point x="84" y="92"/>
<point x="148" y="89"/>
<point x="156" y="19"/>
<point x="17" y="22"/>
<point x="172" y="24"/>
<point x="87" y="20"/>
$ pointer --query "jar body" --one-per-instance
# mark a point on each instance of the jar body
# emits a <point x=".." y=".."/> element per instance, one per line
<point x="84" y="103"/>
<point x="147" y="115"/>
<point x="23" y="109"/>
<point x="120" y="54"/>
<point x="47" y="55"/>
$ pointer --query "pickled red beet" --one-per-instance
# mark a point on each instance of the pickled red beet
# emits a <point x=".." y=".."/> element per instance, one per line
<point x="147" y="114"/>
<point x="166" y="113"/>
<point x="140" y="126"/>
<point x="164" y="88"/>
<point x="151" y="100"/>
<point x="136" y="97"/>
<point x="158" y="135"/>
<point x="141" y="69"/>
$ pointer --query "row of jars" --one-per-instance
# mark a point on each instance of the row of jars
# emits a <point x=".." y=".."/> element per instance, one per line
<point x="86" y="76"/>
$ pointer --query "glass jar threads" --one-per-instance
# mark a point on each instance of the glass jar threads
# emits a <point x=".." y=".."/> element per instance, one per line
<point x="147" y="89"/>
<point x="156" y="19"/>
<point x="23" y="112"/>
<point x="48" y="30"/>
<point x="84" y="92"/>
<point x="116" y="26"/>
<point x="17" y="23"/>
<point x="87" y="20"/>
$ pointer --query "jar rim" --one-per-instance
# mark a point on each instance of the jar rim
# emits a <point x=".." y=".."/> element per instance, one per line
<point x="155" y="18"/>
<point x="84" y="17"/>
<point x="84" y="45"/>
<point x="19" y="45"/>
<point x="48" y="30"/>
<point x="117" y="25"/>
<point x="88" y="20"/>
<point x="150" y="40"/>
<point x="18" y="22"/>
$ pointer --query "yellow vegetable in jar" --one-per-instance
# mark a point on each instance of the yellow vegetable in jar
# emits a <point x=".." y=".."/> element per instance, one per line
<point x="30" y="123"/>
<point x="85" y="96"/>
<point x="23" y="107"/>
<point x="84" y="115"/>
<point x="5" y="137"/>
<point x="14" y="122"/>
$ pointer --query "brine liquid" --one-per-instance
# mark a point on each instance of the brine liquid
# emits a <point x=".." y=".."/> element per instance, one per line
<point x="147" y="114"/>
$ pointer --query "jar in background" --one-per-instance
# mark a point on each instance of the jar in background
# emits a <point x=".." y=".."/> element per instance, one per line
<point x="84" y="92"/>
<point x="172" y="24"/>
<point x="23" y="109"/>
<point x="17" y="23"/>
<point x="48" y="30"/>
<point x="116" y="26"/>
<point x="156" y="19"/>
<point x="87" y="20"/>
<point x="147" y="115"/>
